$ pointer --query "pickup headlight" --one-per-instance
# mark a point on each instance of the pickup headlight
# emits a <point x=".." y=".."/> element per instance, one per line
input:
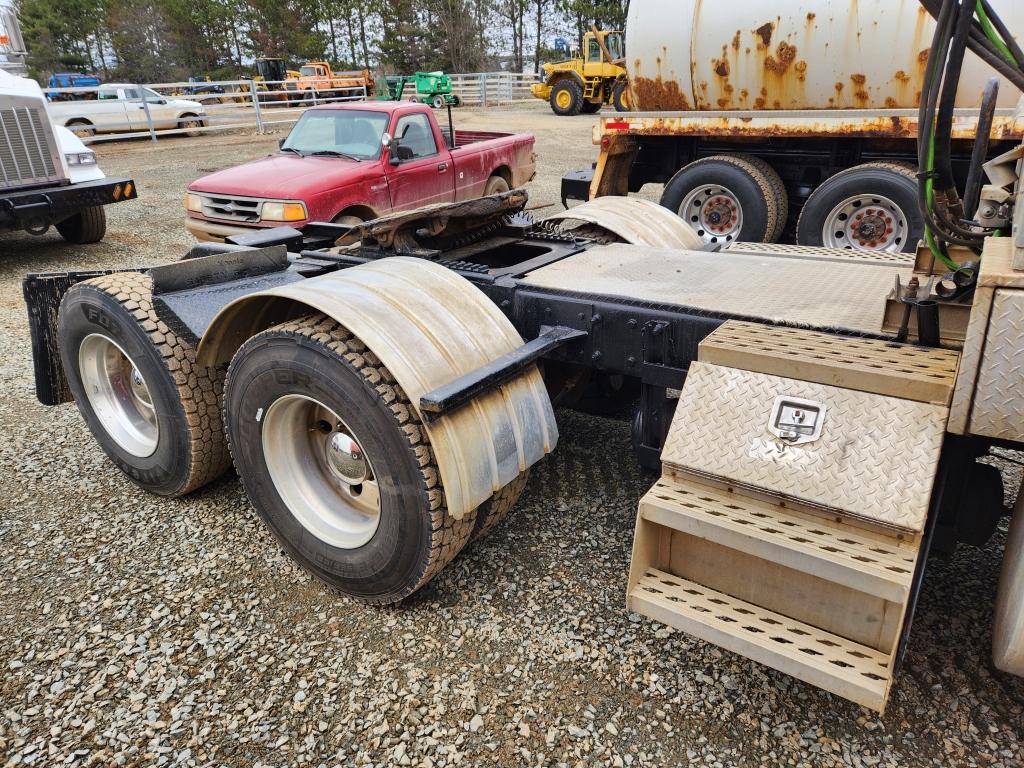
<point x="193" y="203"/>
<point x="274" y="211"/>
<point x="80" y="158"/>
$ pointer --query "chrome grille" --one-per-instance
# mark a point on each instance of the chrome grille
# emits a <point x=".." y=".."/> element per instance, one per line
<point x="230" y="208"/>
<point x="28" y="147"/>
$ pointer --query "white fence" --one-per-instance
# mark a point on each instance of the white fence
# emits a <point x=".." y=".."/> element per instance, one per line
<point x="111" y="112"/>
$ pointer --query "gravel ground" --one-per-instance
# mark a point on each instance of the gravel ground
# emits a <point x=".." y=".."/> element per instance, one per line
<point x="140" y="631"/>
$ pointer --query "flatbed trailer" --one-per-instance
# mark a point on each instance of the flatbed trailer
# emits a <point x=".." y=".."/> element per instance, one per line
<point x="808" y="460"/>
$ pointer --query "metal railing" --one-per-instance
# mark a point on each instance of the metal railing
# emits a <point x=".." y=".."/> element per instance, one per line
<point x="99" y="114"/>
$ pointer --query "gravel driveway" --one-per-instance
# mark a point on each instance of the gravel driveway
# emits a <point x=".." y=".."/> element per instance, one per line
<point x="139" y="631"/>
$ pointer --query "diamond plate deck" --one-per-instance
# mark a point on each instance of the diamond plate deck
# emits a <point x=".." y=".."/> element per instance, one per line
<point x="999" y="398"/>
<point x="875" y="460"/>
<point x="806" y="292"/>
<point x="841" y="255"/>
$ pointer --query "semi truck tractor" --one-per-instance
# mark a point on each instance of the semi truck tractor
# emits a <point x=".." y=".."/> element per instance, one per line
<point x="816" y="416"/>
<point x="790" y="122"/>
<point x="49" y="178"/>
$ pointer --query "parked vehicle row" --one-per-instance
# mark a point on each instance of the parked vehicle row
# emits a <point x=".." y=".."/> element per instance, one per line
<point x="121" y="107"/>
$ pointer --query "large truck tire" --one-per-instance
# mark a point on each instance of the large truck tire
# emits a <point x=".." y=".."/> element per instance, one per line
<point x="496" y="509"/>
<point x="154" y="412"/>
<point x="590" y="107"/>
<point x="89" y="225"/>
<point x="870" y="207"/>
<point x="620" y="97"/>
<point x="728" y="198"/>
<point x="566" y="98"/>
<point x="336" y="461"/>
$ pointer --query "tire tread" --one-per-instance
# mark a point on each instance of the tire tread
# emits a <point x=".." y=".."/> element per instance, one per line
<point x="200" y="389"/>
<point x="448" y="535"/>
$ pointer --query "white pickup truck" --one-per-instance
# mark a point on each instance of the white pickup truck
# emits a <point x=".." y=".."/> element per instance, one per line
<point x="120" y="108"/>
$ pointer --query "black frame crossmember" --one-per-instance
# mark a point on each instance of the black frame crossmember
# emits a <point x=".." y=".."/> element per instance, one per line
<point x="462" y="390"/>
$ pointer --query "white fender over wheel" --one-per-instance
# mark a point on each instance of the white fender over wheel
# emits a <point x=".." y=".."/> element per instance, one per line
<point x="636" y="221"/>
<point x="428" y="326"/>
<point x="1008" y="628"/>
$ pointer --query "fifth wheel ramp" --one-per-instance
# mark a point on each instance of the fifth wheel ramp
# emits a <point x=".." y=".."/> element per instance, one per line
<point x="788" y="522"/>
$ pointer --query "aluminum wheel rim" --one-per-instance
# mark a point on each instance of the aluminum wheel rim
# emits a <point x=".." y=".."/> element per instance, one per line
<point x="300" y="437"/>
<point x="714" y="212"/>
<point x="866" y="223"/>
<point x="118" y="395"/>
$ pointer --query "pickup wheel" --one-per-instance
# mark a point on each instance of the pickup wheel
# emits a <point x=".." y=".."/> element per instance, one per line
<point x="336" y="461"/>
<point x="89" y="225"/>
<point x="83" y="129"/>
<point x="566" y="98"/>
<point x="728" y="198"/>
<point x="495" y="185"/>
<point x="153" y="411"/>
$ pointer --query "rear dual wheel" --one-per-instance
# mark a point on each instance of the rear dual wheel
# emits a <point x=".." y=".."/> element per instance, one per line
<point x="870" y="207"/>
<point x="154" y="412"/>
<point x="336" y="461"/>
<point x="729" y="198"/>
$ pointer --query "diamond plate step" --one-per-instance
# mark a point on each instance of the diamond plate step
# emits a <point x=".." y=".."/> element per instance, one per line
<point x="897" y="370"/>
<point x="822" y="547"/>
<point x="875" y="458"/>
<point x="851" y="670"/>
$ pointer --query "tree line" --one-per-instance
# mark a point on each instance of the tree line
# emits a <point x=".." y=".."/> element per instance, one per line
<point x="170" y="40"/>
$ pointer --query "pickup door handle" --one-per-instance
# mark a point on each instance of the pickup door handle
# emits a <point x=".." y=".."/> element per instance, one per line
<point x="442" y="167"/>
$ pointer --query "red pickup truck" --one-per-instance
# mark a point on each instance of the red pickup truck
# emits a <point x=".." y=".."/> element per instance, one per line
<point x="353" y="162"/>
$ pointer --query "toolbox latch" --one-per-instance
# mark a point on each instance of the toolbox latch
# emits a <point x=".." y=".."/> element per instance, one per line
<point x="796" y="420"/>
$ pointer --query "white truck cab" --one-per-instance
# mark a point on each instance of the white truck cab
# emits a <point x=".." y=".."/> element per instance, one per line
<point x="47" y="175"/>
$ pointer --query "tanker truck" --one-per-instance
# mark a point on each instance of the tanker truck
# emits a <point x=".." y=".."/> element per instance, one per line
<point x="793" y="122"/>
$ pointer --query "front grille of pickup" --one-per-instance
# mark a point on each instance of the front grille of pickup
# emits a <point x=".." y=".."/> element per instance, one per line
<point x="26" y="148"/>
<point x="231" y="208"/>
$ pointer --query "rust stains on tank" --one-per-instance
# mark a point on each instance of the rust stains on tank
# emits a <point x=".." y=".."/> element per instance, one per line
<point x="765" y="33"/>
<point x="811" y="15"/>
<point x="759" y="102"/>
<point x="890" y="102"/>
<point x="922" y="56"/>
<point x="874" y="127"/>
<point x="659" y="95"/>
<point x="721" y="66"/>
<point x="858" y="78"/>
<point x="784" y="56"/>
<point x="736" y="41"/>
<point x="902" y="76"/>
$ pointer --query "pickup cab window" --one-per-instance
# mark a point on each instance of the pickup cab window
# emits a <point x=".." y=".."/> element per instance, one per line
<point x="414" y="131"/>
<point x="346" y="132"/>
<point x="310" y="71"/>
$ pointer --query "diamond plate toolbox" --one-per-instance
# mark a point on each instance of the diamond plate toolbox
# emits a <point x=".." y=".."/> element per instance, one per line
<point x="875" y="458"/>
<point x="999" y="398"/>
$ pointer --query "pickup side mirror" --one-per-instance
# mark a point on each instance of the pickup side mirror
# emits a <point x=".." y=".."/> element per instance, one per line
<point x="397" y="154"/>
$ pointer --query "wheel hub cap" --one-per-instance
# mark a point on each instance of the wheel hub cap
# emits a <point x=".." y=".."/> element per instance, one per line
<point x="119" y="395"/>
<point x="345" y="458"/>
<point x="320" y="471"/>
<point x="866" y="223"/>
<point x="714" y="212"/>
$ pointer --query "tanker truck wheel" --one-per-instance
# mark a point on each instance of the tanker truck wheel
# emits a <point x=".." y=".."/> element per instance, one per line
<point x="871" y="207"/>
<point x="729" y="198"/>
<point x="336" y="461"/>
<point x="566" y="98"/>
<point x="154" y="412"/>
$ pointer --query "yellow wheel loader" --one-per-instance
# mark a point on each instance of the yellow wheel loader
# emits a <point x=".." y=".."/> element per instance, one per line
<point x="585" y="84"/>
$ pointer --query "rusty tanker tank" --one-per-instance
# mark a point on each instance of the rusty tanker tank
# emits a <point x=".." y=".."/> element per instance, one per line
<point x="796" y="55"/>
